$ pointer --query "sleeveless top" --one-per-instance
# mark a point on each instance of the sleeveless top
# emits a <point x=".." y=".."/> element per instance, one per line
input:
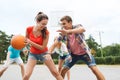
<point x="38" y="40"/>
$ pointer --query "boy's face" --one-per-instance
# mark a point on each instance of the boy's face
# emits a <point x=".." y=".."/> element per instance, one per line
<point x="65" y="24"/>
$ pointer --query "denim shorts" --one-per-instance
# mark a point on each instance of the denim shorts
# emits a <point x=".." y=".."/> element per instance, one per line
<point x="63" y="57"/>
<point x="37" y="56"/>
<point x="85" y="57"/>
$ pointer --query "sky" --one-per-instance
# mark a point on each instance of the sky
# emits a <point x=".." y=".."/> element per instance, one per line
<point x="100" y="18"/>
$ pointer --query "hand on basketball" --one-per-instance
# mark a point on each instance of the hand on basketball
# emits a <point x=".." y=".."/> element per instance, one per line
<point x="27" y="41"/>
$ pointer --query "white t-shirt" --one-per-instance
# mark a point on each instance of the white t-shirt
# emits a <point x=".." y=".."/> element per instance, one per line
<point x="63" y="49"/>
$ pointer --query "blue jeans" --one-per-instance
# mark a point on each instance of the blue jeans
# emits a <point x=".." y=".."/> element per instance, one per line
<point x="84" y="57"/>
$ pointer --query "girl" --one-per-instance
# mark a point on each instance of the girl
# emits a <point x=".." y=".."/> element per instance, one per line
<point x="37" y="36"/>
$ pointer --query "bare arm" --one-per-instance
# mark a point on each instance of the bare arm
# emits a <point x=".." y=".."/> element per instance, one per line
<point x="53" y="46"/>
<point x="45" y="42"/>
<point x="76" y="30"/>
<point x="8" y="56"/>
<point x="79" y="29"/>
<point x="26" y="34"/>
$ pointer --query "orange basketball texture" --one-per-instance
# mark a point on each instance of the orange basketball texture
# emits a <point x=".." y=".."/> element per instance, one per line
<point x="18" y="42"/>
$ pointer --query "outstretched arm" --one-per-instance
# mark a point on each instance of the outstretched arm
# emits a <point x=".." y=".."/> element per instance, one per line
<point x="79" y="29"/>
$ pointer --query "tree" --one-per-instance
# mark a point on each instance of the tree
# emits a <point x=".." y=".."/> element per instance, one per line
<point x="4" y="43"/>
<point x="95" y="48"/>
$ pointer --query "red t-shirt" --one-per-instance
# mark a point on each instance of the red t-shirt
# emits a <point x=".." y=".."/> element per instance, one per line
<point x="38" y="40"/>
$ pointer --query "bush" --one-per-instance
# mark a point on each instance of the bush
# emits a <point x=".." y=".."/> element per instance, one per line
<point x="110" y="60"/>
<point x="100" y="60"/>
<point x="117" y="60"/>
<point x="55" y="61"/>
<point x="80" y="62"/>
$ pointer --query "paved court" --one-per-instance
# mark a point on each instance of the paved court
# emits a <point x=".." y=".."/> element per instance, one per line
<point x="78" y="72"/>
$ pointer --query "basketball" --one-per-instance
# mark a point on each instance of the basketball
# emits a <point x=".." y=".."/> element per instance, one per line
<point x="18" y="42"/>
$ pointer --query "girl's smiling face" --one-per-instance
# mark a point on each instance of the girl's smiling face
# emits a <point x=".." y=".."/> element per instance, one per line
<point x="42" y="24"/>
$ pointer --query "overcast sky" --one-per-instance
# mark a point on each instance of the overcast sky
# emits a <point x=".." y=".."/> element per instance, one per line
<point x="97" y="16"/>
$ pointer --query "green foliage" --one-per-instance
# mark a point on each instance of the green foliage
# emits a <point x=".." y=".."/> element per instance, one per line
<point x="112" y="50"/>
<point x="100" y="60"/>
<point x="80" y="62"/>
<point x="110" y="60"/>
<point x="4" y="43"/>
<point x="117" y="60"/>
<point x="94" y="45"/>
<point x="55" y="56"/>
<point x="55" y="61"/>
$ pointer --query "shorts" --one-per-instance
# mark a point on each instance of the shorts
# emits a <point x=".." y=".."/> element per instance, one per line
<point x="12" y="60"/>
<point x="37" y="56"/>
<point x="63" y="57"/>
<point x="84" y="57"/>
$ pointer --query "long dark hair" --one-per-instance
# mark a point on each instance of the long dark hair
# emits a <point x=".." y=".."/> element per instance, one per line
<point x="40" y="16"/>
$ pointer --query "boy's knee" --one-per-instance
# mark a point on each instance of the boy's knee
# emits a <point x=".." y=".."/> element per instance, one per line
<point x="55" y="73"/>
<point x="63" y="71"/>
